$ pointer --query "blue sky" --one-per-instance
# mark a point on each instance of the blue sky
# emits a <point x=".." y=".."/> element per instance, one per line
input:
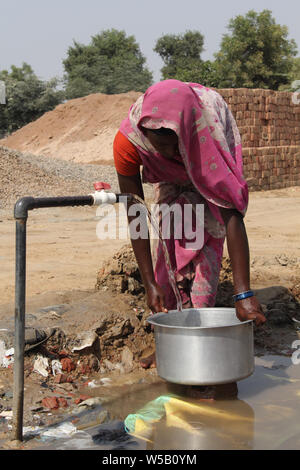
<point x="40" y="32"/>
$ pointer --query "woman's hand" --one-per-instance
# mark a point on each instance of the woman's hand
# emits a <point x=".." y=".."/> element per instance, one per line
<point x="250" y="309"/>
<point x="155" y="298"/>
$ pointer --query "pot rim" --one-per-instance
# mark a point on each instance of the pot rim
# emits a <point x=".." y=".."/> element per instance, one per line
<point x="155" y="316"/>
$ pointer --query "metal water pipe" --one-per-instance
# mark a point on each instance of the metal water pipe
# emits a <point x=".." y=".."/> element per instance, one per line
<point x="21" y="209"/>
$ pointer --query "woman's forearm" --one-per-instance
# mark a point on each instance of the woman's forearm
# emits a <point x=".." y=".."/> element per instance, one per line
<point x="238" y="249"/>
<point x="142" y="253"/>
<point x="140" y="246"/>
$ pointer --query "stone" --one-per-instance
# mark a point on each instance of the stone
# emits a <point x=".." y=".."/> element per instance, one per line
<point x="133" y="285"/>
<point x="84" y="369"/>
<point x="264" y="308"/>
<point x="92" y="402"/>
<point x="81" y="399"/>
<point x="292" y="306"/>
<point x="108" y="364"/>
<point x="94" y="363"/>
<point x="85" y="340"/>
<point x="269" y="294"/>
<point x="276" y="317"/>
<point x="119" y="366"/>
<point x="127" y="359"/>
<point x="283" y="260"/>
<point x="103" y="417"/>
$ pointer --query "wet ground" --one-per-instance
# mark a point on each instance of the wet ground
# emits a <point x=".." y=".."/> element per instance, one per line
<point x="265" y="415"/>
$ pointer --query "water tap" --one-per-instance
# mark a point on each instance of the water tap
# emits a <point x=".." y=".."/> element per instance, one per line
<point x="101" y="196"/>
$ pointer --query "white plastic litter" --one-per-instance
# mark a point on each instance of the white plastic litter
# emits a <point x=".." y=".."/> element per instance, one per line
<point x="10" y="352"/>
<point x="59" y="432"/>
<point x="93" y="384"/>
<point x="6" y="414"/>
<point x="105" y="381"/>
<point x="97" y="383"/>
<point x="31" y="430"/>
<point x="63" y="430"/>
<point x="91" y="402"/>
<point x="56" y="367"/>
<point x="2" y="352"/>
<point x="6" y="355"/>
<point x="41" y="365"/>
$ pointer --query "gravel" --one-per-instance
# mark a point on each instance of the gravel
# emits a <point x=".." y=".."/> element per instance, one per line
<point x="37" y="176"/>
<point x="23" y="174"/>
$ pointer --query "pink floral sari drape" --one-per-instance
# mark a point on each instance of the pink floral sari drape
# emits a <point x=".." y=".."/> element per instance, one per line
<point x="208" y="171"/>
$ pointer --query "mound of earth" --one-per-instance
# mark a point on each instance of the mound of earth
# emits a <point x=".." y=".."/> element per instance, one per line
<point x="80" y="130"/>
<point x="31" y="175"/>
<point x="121" y="275"/>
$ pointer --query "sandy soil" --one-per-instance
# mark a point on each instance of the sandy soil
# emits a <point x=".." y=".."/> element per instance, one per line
<point x="63" y="250"/>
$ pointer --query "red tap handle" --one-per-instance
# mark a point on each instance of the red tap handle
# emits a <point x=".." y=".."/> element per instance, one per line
<point x="99" y="185"/>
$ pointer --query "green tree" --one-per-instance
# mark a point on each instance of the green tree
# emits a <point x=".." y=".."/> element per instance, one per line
<point x="204" y="73"/>
<point x="111" y="63"/>
<point x="27" y="97"/>
<point x="257" y="53"/>
<point x="293" y="77"/>
<point x="181" y="55"/>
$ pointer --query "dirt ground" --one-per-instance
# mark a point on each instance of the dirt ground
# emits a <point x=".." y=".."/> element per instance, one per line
<point x="75" y="288"/>
<point x="63" y="249"/>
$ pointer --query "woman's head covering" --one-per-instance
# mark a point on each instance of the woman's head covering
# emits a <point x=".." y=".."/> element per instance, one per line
<point x="208" y="138"/>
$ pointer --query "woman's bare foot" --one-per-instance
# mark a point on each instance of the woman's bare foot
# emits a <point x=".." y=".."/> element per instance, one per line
<point x="148" y="362"/>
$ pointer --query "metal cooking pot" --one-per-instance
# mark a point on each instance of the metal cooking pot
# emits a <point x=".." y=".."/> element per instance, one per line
<point x="203" y="346"/>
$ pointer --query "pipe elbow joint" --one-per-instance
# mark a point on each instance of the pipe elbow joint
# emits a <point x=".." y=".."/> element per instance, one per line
<point x="22" y="206"/>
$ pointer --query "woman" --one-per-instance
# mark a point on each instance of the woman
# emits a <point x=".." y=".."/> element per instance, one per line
<point x="186" y="140"/>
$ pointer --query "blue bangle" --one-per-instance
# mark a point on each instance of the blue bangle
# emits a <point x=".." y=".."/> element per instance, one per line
<point x="243" y="295"/>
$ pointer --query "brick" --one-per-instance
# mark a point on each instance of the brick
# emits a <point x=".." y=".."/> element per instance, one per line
<point x="67" y="364"/>
<point x="62" y="378"/>
<point x="62" y="402"/>
<point x="50" y="402"/>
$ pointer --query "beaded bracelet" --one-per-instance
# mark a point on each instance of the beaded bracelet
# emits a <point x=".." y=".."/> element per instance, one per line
<point x="243" y="295"/>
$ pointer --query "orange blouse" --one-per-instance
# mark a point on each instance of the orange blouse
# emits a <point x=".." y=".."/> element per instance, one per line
<point x="126" y="157"/>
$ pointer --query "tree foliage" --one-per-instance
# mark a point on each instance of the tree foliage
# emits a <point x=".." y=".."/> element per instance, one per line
<point x="111" y="63"/>
<point x="293" y="77"/>
<point x="257" y="53"/>
<point x="27" y="97"/>
<point x="181" y="55"/>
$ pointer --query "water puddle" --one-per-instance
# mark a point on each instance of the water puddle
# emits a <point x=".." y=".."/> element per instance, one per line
<point x="265" y="415"/>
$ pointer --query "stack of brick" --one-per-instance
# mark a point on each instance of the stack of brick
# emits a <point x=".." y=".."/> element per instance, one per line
<point x="269" y="123"/>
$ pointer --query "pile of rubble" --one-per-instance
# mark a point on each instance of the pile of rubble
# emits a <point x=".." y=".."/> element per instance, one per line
<point x="121" y="275"/>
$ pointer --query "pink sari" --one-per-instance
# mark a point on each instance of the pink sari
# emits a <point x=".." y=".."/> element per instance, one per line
<point x="208" y="171"/>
